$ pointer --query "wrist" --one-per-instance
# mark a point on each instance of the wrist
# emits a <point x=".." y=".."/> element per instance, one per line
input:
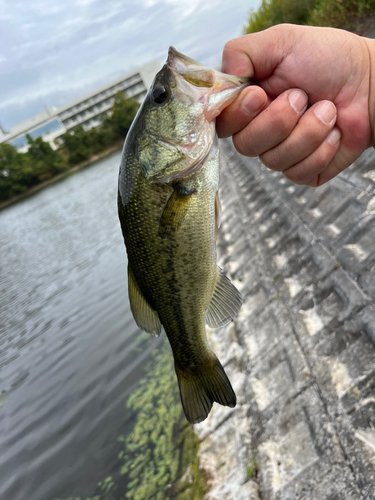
<point x="371" y="50"/>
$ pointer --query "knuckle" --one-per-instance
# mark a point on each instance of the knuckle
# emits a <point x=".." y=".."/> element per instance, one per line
<point x="282" y="123"/>
<point x="313" y="132"/>
<point x="244" y="146"/>
<point x="312" y="135"/>
<point x="230" y="45"/>
<point x="273" y="160"/>
<point x="299" y="174"/>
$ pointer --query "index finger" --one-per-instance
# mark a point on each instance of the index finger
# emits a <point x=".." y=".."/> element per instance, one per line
<point x="238" y="115"/>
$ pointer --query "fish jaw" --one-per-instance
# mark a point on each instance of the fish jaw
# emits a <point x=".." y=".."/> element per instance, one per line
<point x="214" y="89"/>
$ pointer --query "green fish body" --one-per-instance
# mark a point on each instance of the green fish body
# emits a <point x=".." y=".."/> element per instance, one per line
<point x="169" y="213"/>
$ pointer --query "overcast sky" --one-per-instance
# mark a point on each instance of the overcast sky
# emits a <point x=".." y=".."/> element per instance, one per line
<point x="53" y="51"/>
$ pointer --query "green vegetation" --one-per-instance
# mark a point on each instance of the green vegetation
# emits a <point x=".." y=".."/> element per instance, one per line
<point x="162" y="446"/>
<point x="273" y="12"/>
<point x="251" y="470"/>
<point x="159" y="457"/>
<point x="21" y="171"/>
<point x="346" y="14"/>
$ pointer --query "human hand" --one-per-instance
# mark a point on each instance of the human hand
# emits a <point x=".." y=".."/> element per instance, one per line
<point x="313" y="111"/>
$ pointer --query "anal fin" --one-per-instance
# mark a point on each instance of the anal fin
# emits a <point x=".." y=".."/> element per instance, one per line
<point x="225" y="303"/>
<point x="146" y="318"/>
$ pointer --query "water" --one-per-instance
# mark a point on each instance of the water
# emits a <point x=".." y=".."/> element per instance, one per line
<point x="70" y="352"/>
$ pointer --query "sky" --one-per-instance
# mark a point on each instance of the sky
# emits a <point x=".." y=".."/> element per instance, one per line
<point x="52" y="52"/>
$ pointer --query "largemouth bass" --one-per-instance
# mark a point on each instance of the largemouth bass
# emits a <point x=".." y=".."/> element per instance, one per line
<point x="169" y="213"/>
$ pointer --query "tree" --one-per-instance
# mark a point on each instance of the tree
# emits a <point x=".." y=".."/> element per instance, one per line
<point x="45" y="161"/>
<point x="347" y="14"/>
<point x="123" y="113"/>
<point x="15" y="172"/>
<point x="78" y="145"/>
<point x="273" y="12"/>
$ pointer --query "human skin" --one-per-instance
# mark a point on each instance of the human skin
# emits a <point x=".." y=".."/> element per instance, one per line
<point x="312" y="110"/>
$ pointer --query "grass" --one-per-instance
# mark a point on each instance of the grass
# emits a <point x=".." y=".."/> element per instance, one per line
<point x="251" y="470"/>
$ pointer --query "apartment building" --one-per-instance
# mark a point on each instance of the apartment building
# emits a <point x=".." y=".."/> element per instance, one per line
<point x="87" y="111"/>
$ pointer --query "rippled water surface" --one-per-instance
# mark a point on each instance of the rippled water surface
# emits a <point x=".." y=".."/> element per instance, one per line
<point x="70" y="352"/>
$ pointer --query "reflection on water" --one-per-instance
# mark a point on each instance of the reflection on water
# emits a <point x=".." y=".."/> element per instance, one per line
<point x="70" y="352"/>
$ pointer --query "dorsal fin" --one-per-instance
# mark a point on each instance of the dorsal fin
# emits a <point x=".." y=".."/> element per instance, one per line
<point x="146" y="318"/>
<point x="225" y="303"/>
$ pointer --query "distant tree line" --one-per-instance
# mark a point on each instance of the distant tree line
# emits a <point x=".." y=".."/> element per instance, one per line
<point x="21" y="171"/>
<point x="351" y="15"/>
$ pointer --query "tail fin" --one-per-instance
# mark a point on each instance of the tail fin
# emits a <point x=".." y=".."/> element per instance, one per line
<point x="198" y="391"/>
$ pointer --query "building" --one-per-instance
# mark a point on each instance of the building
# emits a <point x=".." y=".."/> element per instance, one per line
<point x="87" y="111"/>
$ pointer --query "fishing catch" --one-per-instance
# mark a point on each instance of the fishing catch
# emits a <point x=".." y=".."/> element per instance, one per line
<point x="169" y="212"/>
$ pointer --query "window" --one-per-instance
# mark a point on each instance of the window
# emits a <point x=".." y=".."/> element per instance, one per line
<point x="41" y="131"/>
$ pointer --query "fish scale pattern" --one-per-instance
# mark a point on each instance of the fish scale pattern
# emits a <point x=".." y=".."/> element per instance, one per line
<point x="304" y="261"/>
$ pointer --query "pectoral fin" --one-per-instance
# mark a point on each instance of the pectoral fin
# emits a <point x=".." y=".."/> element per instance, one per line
<point x="225" y="303"/>
<point x="146" y="318"/>
<point x="175" y="211"/>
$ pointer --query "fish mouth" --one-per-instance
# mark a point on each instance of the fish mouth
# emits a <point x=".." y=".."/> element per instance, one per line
<point x="216" y="90"/>
<point x="186" y="66"/>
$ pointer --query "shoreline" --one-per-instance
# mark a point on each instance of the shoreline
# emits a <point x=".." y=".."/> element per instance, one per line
<point x="63" y="175"/>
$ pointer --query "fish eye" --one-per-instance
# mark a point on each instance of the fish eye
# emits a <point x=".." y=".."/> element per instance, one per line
<point x="159" y="94"/>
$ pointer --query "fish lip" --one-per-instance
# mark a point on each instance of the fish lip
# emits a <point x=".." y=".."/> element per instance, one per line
<point x="174" y="55"/>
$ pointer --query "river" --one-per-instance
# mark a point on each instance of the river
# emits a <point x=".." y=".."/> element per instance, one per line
<point x="70" y="352"/>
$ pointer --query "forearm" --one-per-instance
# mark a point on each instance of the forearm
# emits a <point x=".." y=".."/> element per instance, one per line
<point x="371" y="49"/>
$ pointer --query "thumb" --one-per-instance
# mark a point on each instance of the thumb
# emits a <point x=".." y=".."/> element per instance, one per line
<point x="257" y="55"/>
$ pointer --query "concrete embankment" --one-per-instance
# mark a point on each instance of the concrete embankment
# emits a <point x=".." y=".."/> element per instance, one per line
<point x="301" y="354"/>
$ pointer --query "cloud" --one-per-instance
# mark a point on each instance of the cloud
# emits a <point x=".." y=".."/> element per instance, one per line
<point x="55" y="52"/>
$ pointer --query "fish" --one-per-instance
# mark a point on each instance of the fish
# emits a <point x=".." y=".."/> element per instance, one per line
<point x="169" y="212"/>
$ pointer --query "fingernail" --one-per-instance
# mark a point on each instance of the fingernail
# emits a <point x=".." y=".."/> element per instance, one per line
<point x="325" y="111"/>
<point x="298" y="100"/>
<point x="252" y="102"/>
<point x="334" y="136"/>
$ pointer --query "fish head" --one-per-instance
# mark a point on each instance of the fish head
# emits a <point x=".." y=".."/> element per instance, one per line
<point x="176" y="122"/>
